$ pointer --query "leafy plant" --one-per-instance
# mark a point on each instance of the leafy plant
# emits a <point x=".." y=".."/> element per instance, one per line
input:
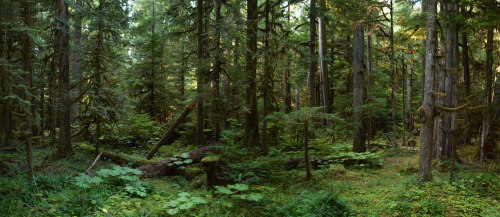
<point x="117" y="176"/>
<point x="183" y="203"/>
<point x="239" y="191"/>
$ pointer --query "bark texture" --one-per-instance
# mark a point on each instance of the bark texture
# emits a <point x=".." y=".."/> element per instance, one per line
<point x="252" y="117"/>
<point x="311" y="76"/>
<point x="64" y="146"/>
<point x="358" y="88"/>
<point x="426" y="112"/>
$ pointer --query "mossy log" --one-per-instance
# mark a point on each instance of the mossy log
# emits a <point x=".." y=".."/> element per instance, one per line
<point x="168" y="136"/>
<point x="169" y="166"/>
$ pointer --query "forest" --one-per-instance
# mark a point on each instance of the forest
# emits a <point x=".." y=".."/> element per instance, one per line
<point x="249" y="108"/>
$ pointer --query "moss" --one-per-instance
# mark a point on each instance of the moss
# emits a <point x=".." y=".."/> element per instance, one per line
<point x="208" y="159"/>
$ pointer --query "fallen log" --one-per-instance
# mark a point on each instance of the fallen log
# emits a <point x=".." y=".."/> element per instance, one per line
<point x="91" y="166"/>
<point x="168" y="136"/>
<point x="319" y="162"/>
<point x="169" y="166"/>
<point x="119" y="159"/>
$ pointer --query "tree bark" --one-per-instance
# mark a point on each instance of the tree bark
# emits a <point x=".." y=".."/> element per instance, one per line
<point x="252" y="117"/>
<point x="77" y="51"/>
<point x="200" y="74"/>
<point x="311" y="76"/>
<point x="451" y="72"/>
<point x="152" y="111"/>
<point x="64" y="146"/>
<point x="306" y="149"/>
<point x="426" y="112"/>
<point x="393" y="82"/>
<point x="217" y="69"/>
<point x="489" y="141"/>
<point x="267" y="77"/>
<point x="409" y="87"/>
<point x="167" y="137"/>
<point x="358" y="88"/>
<point x="26" y="60"/>
<point x="5" y="74"/>
<point x="325" y="83"/>
<point x="465" y="64"/>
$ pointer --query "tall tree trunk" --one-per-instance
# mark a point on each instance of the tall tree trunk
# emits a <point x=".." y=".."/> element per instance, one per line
<point x="306" y="149"/>
<point x="53" y="94"/>
<point x="409" y="87"/>
<point x="99" y="73"/>
<point x="311" y="76"/>
<point x="252" y="117"/>
<point x="267" y="77"/>
<point x="393" y="82"/>
<point x="465" y="65"/>
<point x="26" y="59"/>
<point x="426" y="112"/>
<point x="64" y="146"/>
<point x="451" y="72"/>
<point x="325" y="83"/>
<point x="297" y="99"/>
<point x="359" y="86"/>
<point x="217" y="68"/>
<point x="489" y="141"/>
<point x="5" y="74"/>
<point x="153" y="66"/>
<point x="287" y="96"/>
<point x="77" y="50"/>
<point x="200" y="74"/>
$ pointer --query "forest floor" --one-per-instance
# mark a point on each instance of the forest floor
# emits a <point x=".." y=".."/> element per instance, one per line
<point x="265" y="188"/>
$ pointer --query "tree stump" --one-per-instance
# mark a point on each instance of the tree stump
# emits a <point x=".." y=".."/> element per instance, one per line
<point x="211" y="165"/>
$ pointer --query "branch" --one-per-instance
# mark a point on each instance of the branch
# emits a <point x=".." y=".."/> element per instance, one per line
<point x="95" y="161"/>
<point x="447" y="109"/>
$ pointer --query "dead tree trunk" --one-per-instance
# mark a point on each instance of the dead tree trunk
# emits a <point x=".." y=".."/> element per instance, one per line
<point x="311" y="76"/>
<point x="167" y="137"/>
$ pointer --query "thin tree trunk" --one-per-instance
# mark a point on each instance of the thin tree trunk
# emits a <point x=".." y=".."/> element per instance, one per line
<point x="409" y="87"/>
<point x="287" y="97"/>
<point x="217" y="68"/>
<point x="252" y="117"/>
<point x="153" y="66"/>
<point x="489" y="141"/>
<point x="359" y="86"/>
<point x="426" y="112"/>
<point x="5" y="74"/>
<point x="77" y="50"/>
<point x="393" y="82"/>
<point x="311" y="76"/>
<point x="267" y="77"/>
<point x="306" y="149"/>
<point x="297" y="99"/>
<point x="26" y="59"/>
<point x="465" y="64"/>
<point x="53" y="93"/>
<point x="325" y="83"/>
<point x="200" y="74"/>
<point x="64" y="147"/>
<point x="451" y="72"/>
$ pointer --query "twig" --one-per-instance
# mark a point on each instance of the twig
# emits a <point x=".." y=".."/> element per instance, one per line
<point x="119" y="192"/>
<point x="95" y="161"/>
